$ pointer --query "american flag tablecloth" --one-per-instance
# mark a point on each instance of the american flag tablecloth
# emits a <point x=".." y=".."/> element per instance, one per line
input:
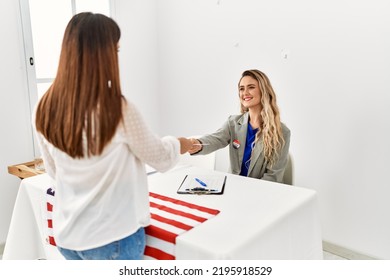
<point x="169" y="218"/>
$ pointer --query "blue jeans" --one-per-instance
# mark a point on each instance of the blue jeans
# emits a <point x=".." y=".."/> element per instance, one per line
<point x="128" y="248"/>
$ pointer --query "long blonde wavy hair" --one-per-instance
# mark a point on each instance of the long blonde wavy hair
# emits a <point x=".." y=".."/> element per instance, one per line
<point x="270" y="131"/>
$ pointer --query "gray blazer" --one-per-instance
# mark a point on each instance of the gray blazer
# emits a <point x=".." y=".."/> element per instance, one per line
<point x="235" y="128"/>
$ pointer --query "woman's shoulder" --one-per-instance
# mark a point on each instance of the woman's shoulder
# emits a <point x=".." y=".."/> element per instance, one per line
<point x="238" y="118"/>
<point x="128" y="107"/>
<point x="285" y="129"/>
<point x="130" y="114"/>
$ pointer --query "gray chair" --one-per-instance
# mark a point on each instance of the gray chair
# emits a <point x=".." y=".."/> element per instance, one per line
<point x="288" y="177"/>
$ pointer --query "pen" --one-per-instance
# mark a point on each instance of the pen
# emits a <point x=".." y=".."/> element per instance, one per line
<point x="201" y="182"/>
<point x="200" y="144"/>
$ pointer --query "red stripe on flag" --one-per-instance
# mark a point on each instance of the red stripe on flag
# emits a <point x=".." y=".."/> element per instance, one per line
<point x="50" y="223"/>
<point x="170" y="222"/>
<point x="52" y="241"/>
<point x="177" y="212"/>
<point x="49" y="207"/>
<point x="161" y="234"/>
<point x="157" y="254"/>
<point x="183" y="203"/>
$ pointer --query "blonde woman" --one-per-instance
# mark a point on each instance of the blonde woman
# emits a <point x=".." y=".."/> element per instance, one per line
<point x="258" y="141"/>
<point x="95" y="144"/>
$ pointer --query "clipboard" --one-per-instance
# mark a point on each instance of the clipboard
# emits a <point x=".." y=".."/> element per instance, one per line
<point x="202" y="184"/>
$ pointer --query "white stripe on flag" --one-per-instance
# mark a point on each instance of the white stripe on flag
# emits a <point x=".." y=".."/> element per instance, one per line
<point x="175" y="217"/>
<point x="167" y="227"/>
<point x="162" y="245"/>
<point x="182" y="208"/>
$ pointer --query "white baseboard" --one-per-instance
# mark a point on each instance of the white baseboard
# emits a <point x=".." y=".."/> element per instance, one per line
<point x="344" y="252"/>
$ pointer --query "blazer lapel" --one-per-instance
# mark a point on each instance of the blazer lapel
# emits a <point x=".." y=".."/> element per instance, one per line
<point x="256" y="152"/>
<point x="242" y="127"/>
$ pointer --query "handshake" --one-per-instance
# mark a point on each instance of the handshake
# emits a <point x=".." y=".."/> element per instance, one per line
<point x="189" y="145"/>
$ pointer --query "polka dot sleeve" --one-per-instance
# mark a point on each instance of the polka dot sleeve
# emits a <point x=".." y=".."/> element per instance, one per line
<point x="160" y="153"/>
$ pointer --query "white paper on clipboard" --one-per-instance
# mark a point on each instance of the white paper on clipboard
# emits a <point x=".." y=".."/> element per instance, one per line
<point x="204" y="184"/>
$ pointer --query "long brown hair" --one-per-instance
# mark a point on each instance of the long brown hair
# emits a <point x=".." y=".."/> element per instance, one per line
<point x="85" y="99"/>
<point x="271" y="128"/>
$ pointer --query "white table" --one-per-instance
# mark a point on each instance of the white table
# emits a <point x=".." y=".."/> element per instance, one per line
<point x="257" y="220"/>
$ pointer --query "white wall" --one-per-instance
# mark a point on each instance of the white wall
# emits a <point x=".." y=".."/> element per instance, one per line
<point x="138" y="56"/>
<point x="332" y="89"/>
<point x="16" y="138"/>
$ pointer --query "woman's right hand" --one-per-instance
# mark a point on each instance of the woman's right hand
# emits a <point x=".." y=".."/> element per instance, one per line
<point x="196" y="146"/>
<point x="185" y="145"/>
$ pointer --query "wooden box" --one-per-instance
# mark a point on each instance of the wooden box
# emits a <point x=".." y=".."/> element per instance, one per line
<point x="27" y="169"/>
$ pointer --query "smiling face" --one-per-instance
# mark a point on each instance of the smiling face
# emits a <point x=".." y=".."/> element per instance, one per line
<point x="249" y="93"/>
